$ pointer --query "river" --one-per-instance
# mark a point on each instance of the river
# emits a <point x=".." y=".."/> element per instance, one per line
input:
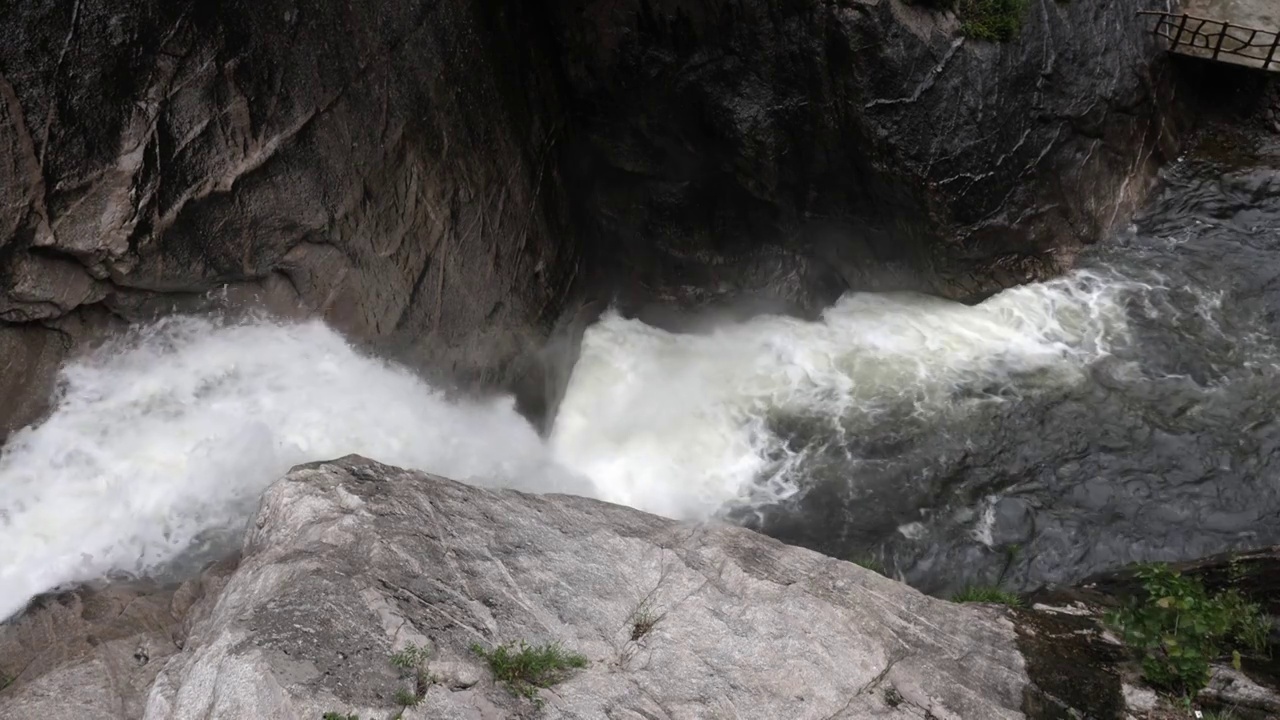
<point x="1165" y="448"/>
<point x="1124" y="412"/>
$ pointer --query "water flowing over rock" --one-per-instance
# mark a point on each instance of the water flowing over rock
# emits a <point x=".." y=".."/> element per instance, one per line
<point x="375" y="164"/>
<point x="412" y="182"/>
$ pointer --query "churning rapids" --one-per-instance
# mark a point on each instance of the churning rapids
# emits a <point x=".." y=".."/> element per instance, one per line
<point x="1124" y="412"/>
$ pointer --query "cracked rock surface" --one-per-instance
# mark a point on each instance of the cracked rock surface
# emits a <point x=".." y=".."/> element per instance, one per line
<point x="351" y="560"/>
<point x="865" y="142"/>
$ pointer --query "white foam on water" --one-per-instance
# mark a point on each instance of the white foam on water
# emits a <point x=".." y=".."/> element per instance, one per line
<point x="172" y="433"/>
<point x="677" y="424"/>
<point x="176" y="431"/>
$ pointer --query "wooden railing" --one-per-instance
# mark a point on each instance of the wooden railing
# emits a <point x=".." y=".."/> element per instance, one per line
<point x="1218" y="40"/>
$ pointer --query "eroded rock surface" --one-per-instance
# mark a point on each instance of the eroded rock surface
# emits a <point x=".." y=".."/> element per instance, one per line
<point x="350" y="560"/>
<point x="94" y="652"/>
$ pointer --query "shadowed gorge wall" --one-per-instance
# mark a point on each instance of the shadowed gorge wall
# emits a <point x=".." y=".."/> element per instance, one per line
<point x="863" y="144"/>
<point x="445" y="180"/>
<point x="375" y="163"/>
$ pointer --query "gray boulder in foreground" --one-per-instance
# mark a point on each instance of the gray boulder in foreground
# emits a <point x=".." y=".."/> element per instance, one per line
<point x="350" y="560"/>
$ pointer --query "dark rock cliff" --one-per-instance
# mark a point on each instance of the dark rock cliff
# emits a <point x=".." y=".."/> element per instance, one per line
<point x="446" y="179"/>
<point x="375" y="163"/>
<point x="861" y="144"/>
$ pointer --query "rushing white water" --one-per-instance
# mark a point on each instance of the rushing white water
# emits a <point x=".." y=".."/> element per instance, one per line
<point x="678" y="424"/>
<point x="166" y="436"/>
<point x="169" y="436"/>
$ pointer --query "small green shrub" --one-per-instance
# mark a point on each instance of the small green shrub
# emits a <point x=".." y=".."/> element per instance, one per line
<point x="994" y="20"/>
<point x="412" y="657"/>
<point x="1178" y="628"/>
<point x="987" y="594"/>
<point x="526" y="668"/>
<point x="405" y="698"/>
<point x="338" y="716"/>
<point x="412" y="661"/>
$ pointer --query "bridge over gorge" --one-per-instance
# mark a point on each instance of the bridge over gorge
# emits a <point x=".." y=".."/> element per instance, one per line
<point x="1240" y="32"/>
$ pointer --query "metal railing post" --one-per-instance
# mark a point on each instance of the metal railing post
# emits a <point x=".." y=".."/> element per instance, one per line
<point x="1182" y="26"/>
<point x="1275" y="44"/>
<point x="1223" y="36"/>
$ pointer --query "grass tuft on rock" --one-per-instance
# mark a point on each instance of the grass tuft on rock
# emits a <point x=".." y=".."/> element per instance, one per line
<point x="987" y="594"/>
<point x="870" y="562"/>
<point x="405" y="698"/>
<point x="642" y="623"/>
<point x="338" y="716"/>
<point x="525" y="668"/>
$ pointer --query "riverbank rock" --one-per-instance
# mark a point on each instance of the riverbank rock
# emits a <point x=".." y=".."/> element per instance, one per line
<point x="93" y="652"/>
<point x="452" y="177"/>
<point x="350" y="561"/>
<point x="351" y="564"/>
<point x="1073" y="657"/>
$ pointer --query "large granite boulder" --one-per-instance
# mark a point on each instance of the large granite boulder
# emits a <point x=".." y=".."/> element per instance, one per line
<point x="349" y="561"/>
<point x="350" y="564"/>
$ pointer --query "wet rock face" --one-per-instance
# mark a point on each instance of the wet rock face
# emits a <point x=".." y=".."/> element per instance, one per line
<point x="378" y="165"/>
<point x="774" y="144"/>
<point x="1074" y="662"/>
<point x="446" y="179"/>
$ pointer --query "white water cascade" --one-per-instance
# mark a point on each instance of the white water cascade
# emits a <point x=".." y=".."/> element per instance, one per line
<point x="164" y="440"/>
<point x="171" y="435"/>
<point x="678" y="424"/>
